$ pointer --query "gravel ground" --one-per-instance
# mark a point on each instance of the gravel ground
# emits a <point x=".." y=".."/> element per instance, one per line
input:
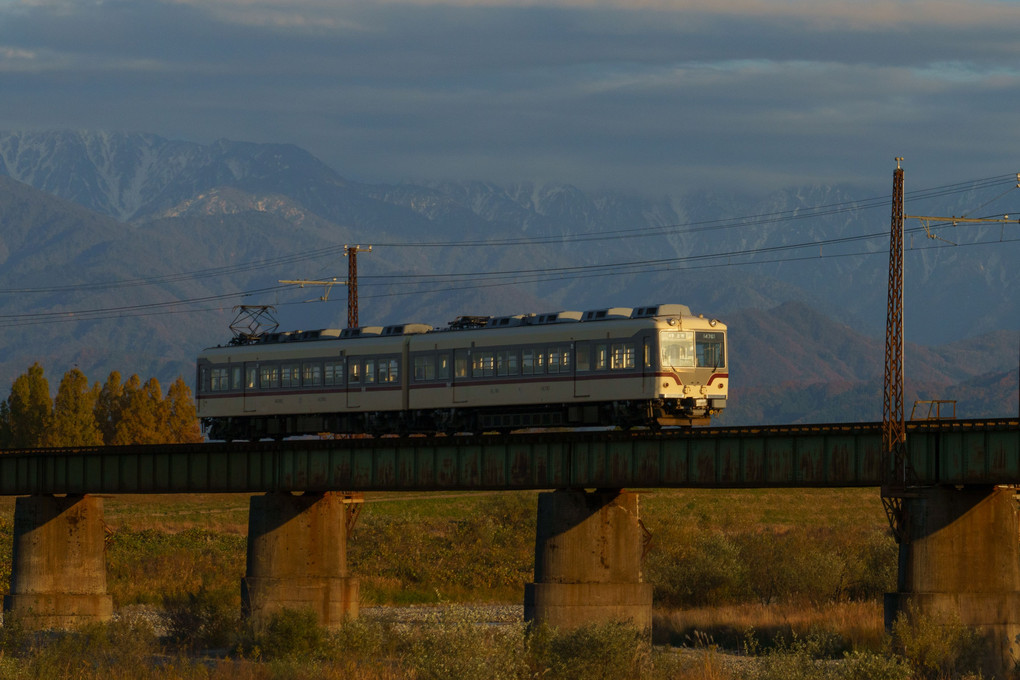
<point x="482" y="613"/>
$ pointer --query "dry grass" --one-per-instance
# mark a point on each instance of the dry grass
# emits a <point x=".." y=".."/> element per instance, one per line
<point x="858" y="624"/>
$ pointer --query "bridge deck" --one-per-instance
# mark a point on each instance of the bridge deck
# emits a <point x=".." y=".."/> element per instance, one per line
<point x="835" y="455"/>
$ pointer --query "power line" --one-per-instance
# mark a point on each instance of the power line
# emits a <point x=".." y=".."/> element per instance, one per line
<point x="489" y="278"/>
<point x="747" y="221"/>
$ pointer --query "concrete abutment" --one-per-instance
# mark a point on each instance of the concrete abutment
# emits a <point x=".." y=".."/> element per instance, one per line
<point x="58" y="568"/>
<point x="589" y="548"/>
<point x="297" y="558"/>
<point x="960" y="562"/>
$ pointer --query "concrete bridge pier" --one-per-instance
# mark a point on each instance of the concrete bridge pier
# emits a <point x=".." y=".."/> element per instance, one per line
<point x="961" y="560"/>
<point x="297" y="558"/>
<point x="588" y="553"/>
<point x="58" y="571"/>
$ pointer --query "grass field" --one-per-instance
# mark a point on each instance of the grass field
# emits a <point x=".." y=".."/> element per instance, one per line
<point x="787" y="576"/>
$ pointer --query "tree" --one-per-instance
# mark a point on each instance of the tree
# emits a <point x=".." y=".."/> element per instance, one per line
<point x="74" y="418"/>
<point x="109" y="403"/>
<point x="143" y="416"/>
<point x="29" y="409"/>
<point x="182" y="421"/>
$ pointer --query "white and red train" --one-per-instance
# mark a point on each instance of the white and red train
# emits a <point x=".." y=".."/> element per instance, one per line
<point x="649" y="366"/>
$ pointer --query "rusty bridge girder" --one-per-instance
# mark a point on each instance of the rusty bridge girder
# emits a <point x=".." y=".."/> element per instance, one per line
<point x="838" y="455"/>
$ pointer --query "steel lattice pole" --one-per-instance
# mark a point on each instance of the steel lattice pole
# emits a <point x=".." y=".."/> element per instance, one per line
<point x="893" y="425"/>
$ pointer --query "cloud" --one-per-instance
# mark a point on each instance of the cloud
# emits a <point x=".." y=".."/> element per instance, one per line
<point x="649" y="95"/>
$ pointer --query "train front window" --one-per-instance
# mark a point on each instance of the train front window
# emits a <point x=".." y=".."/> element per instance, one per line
<point x="711" y="349"/>
<point x="676" y="349"/>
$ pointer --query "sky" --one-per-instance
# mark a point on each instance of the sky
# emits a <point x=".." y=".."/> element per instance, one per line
<point x="652" y="96"/>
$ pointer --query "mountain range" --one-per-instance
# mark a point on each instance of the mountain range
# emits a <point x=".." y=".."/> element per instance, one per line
<point x="129" y="252"/>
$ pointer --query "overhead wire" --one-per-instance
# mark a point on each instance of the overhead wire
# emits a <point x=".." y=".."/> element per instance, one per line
<point x="497" y="278"/>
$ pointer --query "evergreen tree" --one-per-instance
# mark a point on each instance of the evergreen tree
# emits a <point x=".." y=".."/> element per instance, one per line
<point x="74" y="418"/>
<point x="182" y="421"/>
<point x="108" y="406"/>
<point x="29" y="409"/>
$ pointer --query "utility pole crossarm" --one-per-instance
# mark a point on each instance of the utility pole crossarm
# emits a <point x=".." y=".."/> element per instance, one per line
<point x="328" y="284"/>
<point x="927" y="219"/>
<point x="1005" y="219"/>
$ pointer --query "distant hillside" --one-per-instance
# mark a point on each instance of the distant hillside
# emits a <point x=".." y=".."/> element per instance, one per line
<point x="129" y="252"/>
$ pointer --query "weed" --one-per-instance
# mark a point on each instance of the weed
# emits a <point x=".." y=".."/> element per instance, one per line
<point x="938" y="647"/>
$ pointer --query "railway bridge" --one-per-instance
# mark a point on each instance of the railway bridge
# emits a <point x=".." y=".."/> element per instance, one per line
<point x="959" y="548"/>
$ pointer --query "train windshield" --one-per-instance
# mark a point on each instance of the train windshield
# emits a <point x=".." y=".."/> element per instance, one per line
<point x="711" y="349"/>
<point x="676" y="348"/>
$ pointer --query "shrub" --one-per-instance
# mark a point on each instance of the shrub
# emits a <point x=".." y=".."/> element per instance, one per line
<point x="611" y="650"/>
<point x="708" y="571"/>
<point x="456" y="645"/>
<point x="204" y="619"/>
<point x="938" y="647"/>
<point x="289" y="634"/>
<point x="870" y="666"/>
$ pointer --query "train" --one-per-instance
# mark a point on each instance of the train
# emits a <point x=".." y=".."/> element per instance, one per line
<point x="655" y="366"/>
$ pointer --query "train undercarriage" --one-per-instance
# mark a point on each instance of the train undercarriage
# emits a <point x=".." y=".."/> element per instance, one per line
<point x="653" y="414"/>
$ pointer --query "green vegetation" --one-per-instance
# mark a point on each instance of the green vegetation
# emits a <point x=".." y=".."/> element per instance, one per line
<point x="129" y="413"/>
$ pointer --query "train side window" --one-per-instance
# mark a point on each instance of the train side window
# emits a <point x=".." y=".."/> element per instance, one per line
<point x="623" y="356"/>
<point x="528" y="361"/>
<point x="539" y="362"/>
<point x="369" y="371"/>
<point x="252" y="381"/>
<point x="554" y="360"/>
<point x="311" y="375"/>
<point x="334" y="373"/>
<point x="218" y="379"/>
<point x="565" y="360"/>
<point x="389" y="370"/>
<point x="235" y="378"/>
<point x="581" y="350"/>
<point x="270" y="376"/>
<point x="354" y="371"/>
<point x="460" y="363"/>
<point x="506" y="362"/>
<point x="424" y="368"/>
<point x="483" y="364"/>
<point x="290" y="375"/>
<point x="601" y="357"/>
<point x="443" y="366"/>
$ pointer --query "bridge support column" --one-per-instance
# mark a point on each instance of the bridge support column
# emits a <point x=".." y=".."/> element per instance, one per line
<point x="297" y="558"/>
<point x="961" y="559"/>
<point x="588" y="553"/>
<point x="58" y="572"/>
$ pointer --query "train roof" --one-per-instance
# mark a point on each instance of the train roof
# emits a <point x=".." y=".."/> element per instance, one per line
<point x="462" y="323"/>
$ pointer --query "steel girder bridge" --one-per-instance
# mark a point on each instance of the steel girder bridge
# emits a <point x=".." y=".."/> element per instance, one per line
<point x="948" y="452"/>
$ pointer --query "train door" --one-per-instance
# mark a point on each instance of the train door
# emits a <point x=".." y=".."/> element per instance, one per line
<point x="250" y="386"/>
<point x="648" y="377"/>
<point x="354" y="381"/>
<point x="579" y="365"/>
<point x="461" y="366"/>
